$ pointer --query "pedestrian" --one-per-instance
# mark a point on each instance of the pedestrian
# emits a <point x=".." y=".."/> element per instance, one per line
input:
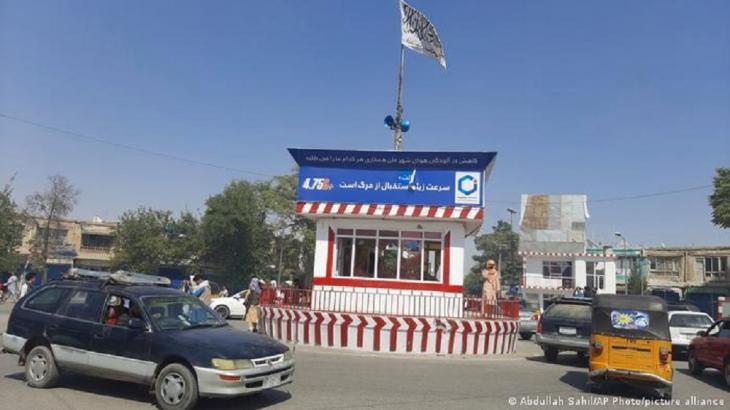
<point x="223" y="292"/>
<point x="587" y="292"/>
<point x="251" y="303"/>
<point x="27" y="286"/>
<point x="491" y="289"/>
<point x="578" y="292"/>
<point x="12" y="286"/>
<point x="201" y="289"/>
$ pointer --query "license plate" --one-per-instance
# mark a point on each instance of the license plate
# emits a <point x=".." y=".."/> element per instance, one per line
<point x="272" y="381"/>
<point x="567" y="331"/>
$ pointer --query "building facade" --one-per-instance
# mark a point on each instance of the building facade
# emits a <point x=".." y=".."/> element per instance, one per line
<point x="81" y="244"/>
<point x="682" y="267"/>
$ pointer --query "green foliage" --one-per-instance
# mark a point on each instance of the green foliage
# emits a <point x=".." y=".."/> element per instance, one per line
<point x="148" y="239"/>
<point x="236" y="239"/>
<point x="502" y="240"/>
<point x="11" y="230"/>
<point x="720" y="198"/>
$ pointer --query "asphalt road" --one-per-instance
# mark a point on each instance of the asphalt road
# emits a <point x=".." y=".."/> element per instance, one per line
<point x="327" y="379"/>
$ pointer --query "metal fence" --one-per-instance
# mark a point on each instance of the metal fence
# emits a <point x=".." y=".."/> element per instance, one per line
<point x="438" y="306"/>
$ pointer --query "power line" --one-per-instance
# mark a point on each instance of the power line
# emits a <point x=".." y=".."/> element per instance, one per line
<point x="88" y="138"/>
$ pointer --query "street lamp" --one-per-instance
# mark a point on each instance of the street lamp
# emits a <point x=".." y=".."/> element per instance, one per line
<point x="512" y="212"/>
<point x="623" y="270"/>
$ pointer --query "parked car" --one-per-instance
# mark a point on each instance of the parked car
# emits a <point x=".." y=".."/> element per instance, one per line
<point x="528" y="321"/>
<point x="684" y="325"/>
<point x="565" y="326"/>
<point x="711" y="349"/>
<point x="229" y="307"/>
<point x="153" y="335"/>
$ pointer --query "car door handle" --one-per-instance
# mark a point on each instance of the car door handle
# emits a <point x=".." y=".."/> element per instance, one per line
<point x="98" y="336"/>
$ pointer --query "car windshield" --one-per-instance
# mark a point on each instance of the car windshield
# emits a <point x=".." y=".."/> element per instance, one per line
<point x="180" y="313"/>
<point x="569" y="311"/>
<point x="696" y="321"/>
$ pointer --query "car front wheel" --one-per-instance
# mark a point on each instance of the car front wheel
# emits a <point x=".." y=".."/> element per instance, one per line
<point x="176" y="388"/>
<point x="40" y="368"/>
<point x="526" y="336"/>
<point x="223" y="311"/>
<point x="694" y="366"/>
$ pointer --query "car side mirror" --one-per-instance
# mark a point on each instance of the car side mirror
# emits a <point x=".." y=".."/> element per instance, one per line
<point x="137" y="324"/>
<point x="701" y="333"/>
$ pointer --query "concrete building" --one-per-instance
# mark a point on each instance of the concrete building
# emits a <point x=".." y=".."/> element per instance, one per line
<point x="553" y="249"/>
<point x="82" y="244"/>
<point x="682" y="267"/>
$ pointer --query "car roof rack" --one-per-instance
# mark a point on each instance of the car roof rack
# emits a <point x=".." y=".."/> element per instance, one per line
<point x="119" y="277"/>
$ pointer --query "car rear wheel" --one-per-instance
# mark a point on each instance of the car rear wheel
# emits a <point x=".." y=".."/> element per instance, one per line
<point x="582" y="355"/>
<point x="727" y="373"/>
<point x="525" y="336"/>
<point x="176" y="388"/>
<point x="694" y="366"/>
<point x="551" y="354"/>
<point x="223" y="311"/>
<point x="40" y="368"/>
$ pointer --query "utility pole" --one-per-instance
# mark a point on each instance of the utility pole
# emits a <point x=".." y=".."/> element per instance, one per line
<point x="397" y="133"/>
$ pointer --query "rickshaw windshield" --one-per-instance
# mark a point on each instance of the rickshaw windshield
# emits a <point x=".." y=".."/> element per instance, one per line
<point x="634" y="317"/>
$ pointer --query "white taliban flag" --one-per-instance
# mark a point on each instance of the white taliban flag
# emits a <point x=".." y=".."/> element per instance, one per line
<point x="418" y="34"/>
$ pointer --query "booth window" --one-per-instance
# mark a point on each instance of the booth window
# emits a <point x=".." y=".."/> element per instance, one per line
<point x="344" y="256"/>
<point x="388" y="254"/>
<point x="596" y="274"/>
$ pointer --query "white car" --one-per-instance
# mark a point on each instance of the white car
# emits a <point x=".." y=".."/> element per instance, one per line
<point x="684" y="325"/>
<point x="229" y="307"/>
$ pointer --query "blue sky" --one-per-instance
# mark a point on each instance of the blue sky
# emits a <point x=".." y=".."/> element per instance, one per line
<point x="605" y="98"/>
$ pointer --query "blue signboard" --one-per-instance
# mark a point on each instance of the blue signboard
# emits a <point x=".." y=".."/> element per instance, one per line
<point x="391" y="177"/>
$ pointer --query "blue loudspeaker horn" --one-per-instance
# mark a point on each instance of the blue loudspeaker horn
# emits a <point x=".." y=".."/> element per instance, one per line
<point x="389" y="121"/>
<point x="405" y="125"/>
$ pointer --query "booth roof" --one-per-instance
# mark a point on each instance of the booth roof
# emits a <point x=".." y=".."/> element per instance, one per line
<point x="455" y="161"/>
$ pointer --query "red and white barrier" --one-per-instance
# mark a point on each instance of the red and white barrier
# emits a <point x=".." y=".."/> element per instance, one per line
<point x="397" y="334"/>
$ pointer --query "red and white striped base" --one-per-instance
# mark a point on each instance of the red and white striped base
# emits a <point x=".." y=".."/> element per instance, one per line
<point x="378" y="333"/>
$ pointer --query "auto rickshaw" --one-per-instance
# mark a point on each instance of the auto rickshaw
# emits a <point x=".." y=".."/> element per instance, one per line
<point x="631" y="343"/>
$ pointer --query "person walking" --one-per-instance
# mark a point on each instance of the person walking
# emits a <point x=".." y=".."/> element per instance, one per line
<point x="578" y="292"/>
<point x="27" y="286"/>
<point x="491" y="289"/>
<point x="251" y="303"/>
<point x="12" y="286"/>
<point x="201" y="289"/>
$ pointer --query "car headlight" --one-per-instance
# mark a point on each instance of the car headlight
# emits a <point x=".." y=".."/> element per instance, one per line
<point x="288" y="355"/>
<point x="227" y="364"/>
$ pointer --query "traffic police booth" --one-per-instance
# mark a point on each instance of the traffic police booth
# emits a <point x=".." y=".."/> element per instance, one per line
<point x="389" y="255"/>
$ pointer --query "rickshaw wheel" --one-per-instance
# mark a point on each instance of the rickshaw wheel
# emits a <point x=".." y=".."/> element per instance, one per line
<point x="667" y="394"/>
<point x="727" y="373"/>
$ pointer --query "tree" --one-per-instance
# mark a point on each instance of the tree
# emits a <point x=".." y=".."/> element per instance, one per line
<point x="720" y="198"/>
<point x="294" y="235"/>
<point x="11" y="229"/>
<point x="49" y="206"/>
<point x="234" y="233"/>
<point x="501" y="241"/>
<point x="148" y="239"/>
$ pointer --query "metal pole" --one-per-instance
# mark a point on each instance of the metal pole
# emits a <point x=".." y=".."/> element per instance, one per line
<point x="397" y="136"/>
<point x="281" y="258"/>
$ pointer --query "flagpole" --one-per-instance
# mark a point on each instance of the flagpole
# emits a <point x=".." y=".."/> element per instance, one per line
<point x="398" y="136"/>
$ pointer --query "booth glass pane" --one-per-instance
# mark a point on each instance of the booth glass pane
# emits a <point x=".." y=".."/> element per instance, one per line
<point x="365" y="232"/>
<point x="388" y="258"/>
<point x="365" y="258"/>
<point x="432" y="235"/>
<point x="344" y="232"/>
<point x="411" y="234"/>
<point x="344" y="256"/>
<point x="432" y="261"/>
<point x="389" y="234"/>
<point x="410" y="262"/>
